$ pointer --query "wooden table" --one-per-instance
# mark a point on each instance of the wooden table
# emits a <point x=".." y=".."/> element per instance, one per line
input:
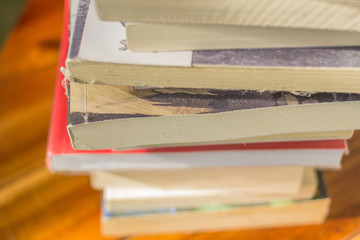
<point x="35" y="204"/>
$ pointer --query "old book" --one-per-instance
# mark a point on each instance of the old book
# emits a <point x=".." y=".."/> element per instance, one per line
<point x="145" y="37"/>
<point x="321" y="154"/>
<point x="146" y="190"/>
<point x="116" y="117"/>
<point x="218" y="217"/>
<point x="284" y="179"/>
<point x="62" y="158"/>
<point x="142" y="199"/>
<point x="98" y="54"/>
<point x="325" y="14"/>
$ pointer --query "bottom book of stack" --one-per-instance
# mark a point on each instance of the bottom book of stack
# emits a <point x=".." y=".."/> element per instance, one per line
<point x="159" y="207"/>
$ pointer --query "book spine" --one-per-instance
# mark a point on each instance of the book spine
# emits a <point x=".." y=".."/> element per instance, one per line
<point x="59" y="112"/>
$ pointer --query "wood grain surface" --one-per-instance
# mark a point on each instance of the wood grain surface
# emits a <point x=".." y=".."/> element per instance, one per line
<point x="34" y="204"/>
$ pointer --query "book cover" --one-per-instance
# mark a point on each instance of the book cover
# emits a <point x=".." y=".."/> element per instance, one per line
<point x="95" y="103"/>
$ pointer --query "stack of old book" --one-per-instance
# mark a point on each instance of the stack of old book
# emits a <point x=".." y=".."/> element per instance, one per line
<point x="206" y="115"/>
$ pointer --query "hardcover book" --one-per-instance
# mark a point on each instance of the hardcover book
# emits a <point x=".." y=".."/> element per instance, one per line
<point x="99" y="54"/>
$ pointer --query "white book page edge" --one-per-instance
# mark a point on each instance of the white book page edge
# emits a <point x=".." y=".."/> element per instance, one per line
<point x="104" y="41"/>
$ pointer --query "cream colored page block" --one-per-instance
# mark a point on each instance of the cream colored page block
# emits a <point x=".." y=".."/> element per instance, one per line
<point x="171" y="37"/>
<point x="307" y="79"/>
<point x="274" y="179"/>
<point x="189" y="198"/>
<point x="302" y="213"/>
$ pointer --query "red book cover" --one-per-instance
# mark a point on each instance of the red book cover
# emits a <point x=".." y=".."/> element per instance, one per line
<point x="59" y="142"/>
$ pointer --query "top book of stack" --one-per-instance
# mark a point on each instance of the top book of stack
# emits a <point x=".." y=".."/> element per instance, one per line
<point x="97" y="55"/>
<point x="169" y="25"/>
<point x="314" y="14"/>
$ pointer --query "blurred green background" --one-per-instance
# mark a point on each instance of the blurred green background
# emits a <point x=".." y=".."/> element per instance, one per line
<point x="9" y="13"/>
